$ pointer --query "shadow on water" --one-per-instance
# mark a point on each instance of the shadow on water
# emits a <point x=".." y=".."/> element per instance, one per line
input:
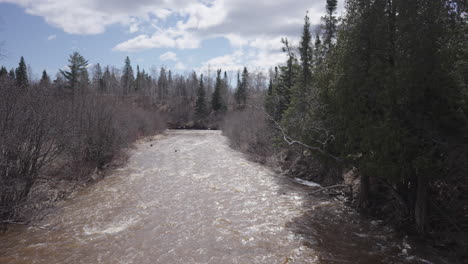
<point x="338" y="234"/>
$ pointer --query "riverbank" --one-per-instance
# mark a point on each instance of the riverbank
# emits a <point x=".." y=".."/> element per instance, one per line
<point x="190" y="198"/>
<point x="62" y="180"/>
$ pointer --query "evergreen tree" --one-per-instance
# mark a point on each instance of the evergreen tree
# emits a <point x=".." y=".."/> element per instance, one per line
<point x="305" y="50"/>
<point x="139" y="79"/>
<point x="242" y="89"/>
<point x="163" y="85"/>
<point x="12" y="74"/>
<point x="3" y="72"/>
<point x="128" y="78"/>
<point x="330" y="24"/>
<point x="217" y="101"/>
<point x="77" y="76"/>
<point x="22" y="75"/>
<point x="98" y="81"/>
<point x="45" y="80"/>
<point x="200" y="105"/>
<point x="106" y="80"/>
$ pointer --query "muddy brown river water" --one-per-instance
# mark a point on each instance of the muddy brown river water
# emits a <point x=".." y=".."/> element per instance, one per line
<point x="187" y="197"/>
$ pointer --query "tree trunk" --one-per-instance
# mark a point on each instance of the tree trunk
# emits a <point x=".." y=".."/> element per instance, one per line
<point x="363" y="199"/>
<point x="420" y="207"/>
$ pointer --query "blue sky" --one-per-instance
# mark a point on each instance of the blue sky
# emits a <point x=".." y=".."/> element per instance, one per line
<point x="180" y="34"/>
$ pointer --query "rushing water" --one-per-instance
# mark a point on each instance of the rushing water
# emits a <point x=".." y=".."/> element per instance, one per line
<point x="189" y="198"/>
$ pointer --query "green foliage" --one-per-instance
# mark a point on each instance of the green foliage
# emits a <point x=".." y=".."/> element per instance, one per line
<point x="98" y="80"/>
<point x="200" y="105"/>
<point x="128" y="78"/>
<point x="389" y="95"/>
<point x="242" y="89"/>
<point x="3" y="72"/>
<point x="21" y="74"/>
<point x="77" y="76"/>
<point x="217" y="102"/>
<point x="45" y="79"/>
<point x="12" y="74"/>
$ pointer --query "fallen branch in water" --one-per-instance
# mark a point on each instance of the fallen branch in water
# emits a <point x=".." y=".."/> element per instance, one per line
<point x="327" y="188"/>
<point x="10" y="222"/>
<point x="13" y="222"/>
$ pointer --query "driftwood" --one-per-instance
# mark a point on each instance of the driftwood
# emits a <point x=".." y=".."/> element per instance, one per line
<point x="10" y="222"/>
<point x="327" y="188"/>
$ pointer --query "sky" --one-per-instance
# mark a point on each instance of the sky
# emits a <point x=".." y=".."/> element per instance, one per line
<point x="183" y="35"/>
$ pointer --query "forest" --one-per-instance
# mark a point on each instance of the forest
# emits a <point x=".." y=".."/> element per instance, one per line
<point x="374" y="101"/>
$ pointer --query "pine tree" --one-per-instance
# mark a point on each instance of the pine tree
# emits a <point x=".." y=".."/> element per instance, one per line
<point x="22" y="75"/>
<point x="45" y="80"/>
<point x="77" y="76"/>
<point x="200" y="105"/>
<point x="163" y="85"/>
<point x="128" y="78"/>
<point x="106" y="80"/>
<point x="217" y="101"/>
<point x="3" y="72"/>
<point x="98" y="81"/>
<point x="330" y="24"/>
<point x="139" y="79"/>
<point x="305" y="50"/>
<point x="12" y="74"/>
<point x="242" y="89"/>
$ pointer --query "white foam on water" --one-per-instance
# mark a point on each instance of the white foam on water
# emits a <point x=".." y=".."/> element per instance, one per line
<point x="307" y="183"/>
<point x="109" y="229"/>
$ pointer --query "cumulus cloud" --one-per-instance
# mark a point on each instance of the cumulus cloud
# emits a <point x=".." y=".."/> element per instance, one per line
<point x="256" y="25"/>
<point x="171" y="56"/>
<point x="51" y="37"/>
<point x="180" y="66"/>
<point x="257" y="60"/>
<point x="160" y="39"/>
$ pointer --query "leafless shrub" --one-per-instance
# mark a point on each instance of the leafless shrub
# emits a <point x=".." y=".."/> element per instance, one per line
<point x="40" y="128"/>
<point x="249" y="131"/>
<point x="30" y="130"/>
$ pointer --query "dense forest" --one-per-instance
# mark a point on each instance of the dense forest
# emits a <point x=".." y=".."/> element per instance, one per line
<point x="376" y="98"/>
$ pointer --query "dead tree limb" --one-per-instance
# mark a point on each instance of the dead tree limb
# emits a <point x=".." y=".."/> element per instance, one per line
<point x="291" y="141"/>
<point x="327" y="188"/>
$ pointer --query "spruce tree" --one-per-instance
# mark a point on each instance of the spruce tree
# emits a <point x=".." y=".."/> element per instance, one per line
<point x="3" y="72"/>
<point x="200" y="105"/>
<point x="45" y="80"/>
<point x="12" y="74"/>
<point x="305" y="50"/>
<point x="242" y="89"/>
<point x="330" y="24"/>
<point x="128" y="78"/>
<point x="98" y="81"/>
<point x="22" y="75"/>
<point x="163" y="85"/>
<point x="217" y="101"/>
<point x="77" y="76"/>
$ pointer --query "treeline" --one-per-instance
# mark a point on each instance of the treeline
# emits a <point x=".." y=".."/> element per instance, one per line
<point x="83" y="117"/>
<point x="61" y="130"/>
<point x="380" y="92"/>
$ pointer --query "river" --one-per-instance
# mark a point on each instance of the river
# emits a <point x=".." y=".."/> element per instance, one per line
<point x="187" y="197"/>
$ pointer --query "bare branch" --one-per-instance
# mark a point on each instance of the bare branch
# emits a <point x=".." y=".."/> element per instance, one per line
<point x="327" y="188"/>
<point x="291" y="141"/>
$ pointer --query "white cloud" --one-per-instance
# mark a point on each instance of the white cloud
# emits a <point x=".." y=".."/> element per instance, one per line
<point x="161" y="39"/>
<point x="253" y="26"/>
<point x="51" y="37"/>
<point x="180" y="66"/>
<point x="169" y="56"/>
<point x="256" y="60"/>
